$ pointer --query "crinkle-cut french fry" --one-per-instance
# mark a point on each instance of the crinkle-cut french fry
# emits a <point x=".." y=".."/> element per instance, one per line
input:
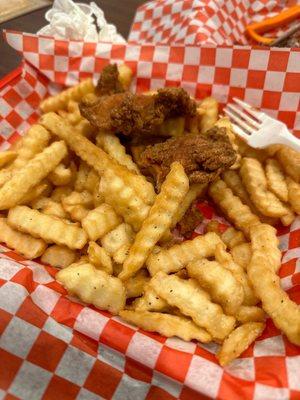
<point x="262" y="273"/>
<point x="276" y="179"/>
<point x="77" y="212"/>
<point x="61" y="175"/>
<point x="83" y="198"/>
<point x="238" y="341"/>
<point x="250" y="314"/>
<point x="48" y="206"/>
<point x="136" y="284"/>
<point x="81" y="177"/>
<point x="73" y="114"/>
<point x="26" y="245"/>
<point x="93" y="286"/>
<point x="219" y="282"/>
<point x="42" y="189"/>
<point x="121" y="254"/>
<point x="178" y="256"/>
<point x="59" y="256"/>
<point x="96" y="157"/>
<point x="226" y="260"/>
<point x="60" y="101"/>
<point x="60" y="192"/>
<point x="237" y="212"/>
<point x="125" y="75"/>
<point x="241" y="254"/>
<point x="150" y="301"/>
<point x="232" y="237"/>
<point x="289" y="160"/>
<point x="47" y="227"/>
<point x="255" y="181"/>
<point x="167" y="325"/>
<point x="24" y="179"/>
<point x="100" y="221"/>
<point x="123" y="199"/>
<point x="234" y="182"/>
<point x="247" y="151"/>
<point x="6" y="157"/>
<point x="92" y="181"/>
<point x="159" y="219"/>
<point x="98" y="197"/>
<point x="100" y="258"/>
<point x="196" y="190"/>
<point x="112" y="145"/>
<point x="294" y="194"/>
<point x="32" y="143"/>
<point x="121" y="235"/>
<point x="194" y="302"/>
<point x="288" y="219"/>
<point x="208" y="110"/>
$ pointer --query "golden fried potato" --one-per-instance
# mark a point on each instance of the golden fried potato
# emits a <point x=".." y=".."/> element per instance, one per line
<point x="62" y="175"/>
<point x="193" y="302"/>
<point x="82" y="176"/>
<point x="47" y="227"/>
<point x="123" y="199"/>
<point x="125" y="75"/>
<point x="96" y="157"/>
<point x="61" y="100"/>
<point x="26" y="178"/>
<point x="42" y="189"/>
<point x="150" y="301"/>
<point x="219" y="282"/>
<point x="237" y="212"/>
<point x="255" y="181"/>
<point x="208" y="111"/>
<point x="83" y="198"/>
<point x="294" y="194"/>
<point x="265" y="261"/>
<point x="232" y="237"/>
<point x="276" y="179"/>
<point x="60" y="192"/>
<point x="167" y="325"/>
<point x="241" y="254"/>
<point x="238" y="341"/>
<point x="178" y="256"/>
<point x="47" y="206"/>
<point x="23" y="244"/>
<point x="111" y="145"/>
<point x="99" y="257"/>
<point x="93" y="286"/>
<point x="250" y="314"/>
<point x="159" y="219"/>
<point x="136" y="284"/>
<point x="117" y="238"/>
<point x="289" y="160"/>
<point x="100" y="221"/>
<point x="225" y="259"/>
<point x="59" y="256"/>
<point x="6" y="157"/>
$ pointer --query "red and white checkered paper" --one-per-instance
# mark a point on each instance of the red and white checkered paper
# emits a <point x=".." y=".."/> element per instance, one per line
<point x="51" y="345"/>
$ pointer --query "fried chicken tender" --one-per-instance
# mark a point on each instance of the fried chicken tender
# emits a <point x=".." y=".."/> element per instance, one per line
<point x="203" y="157"/>
<point x="108" y="82"/>
<point x="137" y="115"/>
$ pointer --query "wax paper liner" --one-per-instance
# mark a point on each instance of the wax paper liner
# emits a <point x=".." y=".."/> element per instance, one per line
<point x="52" y="344"/>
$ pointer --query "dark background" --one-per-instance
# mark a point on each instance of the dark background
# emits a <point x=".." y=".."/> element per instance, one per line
<point x="117" y="12"/>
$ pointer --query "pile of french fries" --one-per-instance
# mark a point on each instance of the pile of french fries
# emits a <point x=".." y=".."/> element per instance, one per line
<point x="75" y="198"/>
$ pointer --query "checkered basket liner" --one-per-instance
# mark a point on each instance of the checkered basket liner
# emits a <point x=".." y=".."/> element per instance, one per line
<point x="51" y="343"/>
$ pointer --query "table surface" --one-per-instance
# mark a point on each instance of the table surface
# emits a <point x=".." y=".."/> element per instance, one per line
<point x="117" y="12"/>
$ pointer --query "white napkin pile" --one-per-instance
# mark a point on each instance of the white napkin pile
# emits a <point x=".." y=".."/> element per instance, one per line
<point x="78" y="21"/>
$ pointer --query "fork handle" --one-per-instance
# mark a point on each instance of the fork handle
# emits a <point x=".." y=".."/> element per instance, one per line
<point x="289" y="140"/>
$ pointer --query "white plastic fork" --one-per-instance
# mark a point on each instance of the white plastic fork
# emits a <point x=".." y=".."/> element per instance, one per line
<point x="257" y="128"/>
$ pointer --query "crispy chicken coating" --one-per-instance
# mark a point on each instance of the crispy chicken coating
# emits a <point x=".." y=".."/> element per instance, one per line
<point x="108" y="82"/>
<point x="203" y="157"/>
<point x="137" y="115"/>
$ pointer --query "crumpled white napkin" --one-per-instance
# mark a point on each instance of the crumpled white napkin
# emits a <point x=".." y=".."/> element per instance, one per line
<point x="78" y="21"/>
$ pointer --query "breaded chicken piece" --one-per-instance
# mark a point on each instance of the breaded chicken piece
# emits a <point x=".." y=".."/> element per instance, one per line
<point x="203" y="157"/>
<point x="137" y="115"/>
<point x="108" y="82"/>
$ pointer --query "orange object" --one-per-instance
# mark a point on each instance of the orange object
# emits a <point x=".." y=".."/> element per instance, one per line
<point x="285" y="17"/>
